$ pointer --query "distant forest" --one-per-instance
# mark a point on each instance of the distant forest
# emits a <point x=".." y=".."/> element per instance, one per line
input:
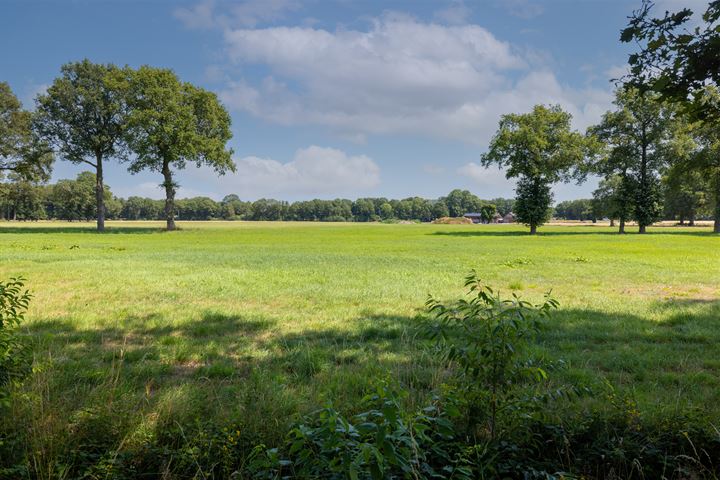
<point x="74" y="200"/>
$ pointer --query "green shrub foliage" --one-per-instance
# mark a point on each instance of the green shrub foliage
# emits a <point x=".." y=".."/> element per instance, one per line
<point x="14" y="302"/>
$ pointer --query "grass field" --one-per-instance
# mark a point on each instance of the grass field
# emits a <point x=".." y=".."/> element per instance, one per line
<point x="262" y="321"/>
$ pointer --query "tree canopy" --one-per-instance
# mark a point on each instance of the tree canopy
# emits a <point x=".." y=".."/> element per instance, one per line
<point x="83" y="116"/>
<point x="170" y="124"/>
<point x="539" y="148"/>
<point x="22" y="154"/>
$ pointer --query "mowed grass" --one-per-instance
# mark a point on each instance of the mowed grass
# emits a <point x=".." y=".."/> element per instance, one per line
<point x="256" y="323"/>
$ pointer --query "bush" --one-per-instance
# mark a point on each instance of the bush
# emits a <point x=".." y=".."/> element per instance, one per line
<point x="14" y="356"/>
<point x="382" y="442"/>
<point x="486" y="337"/>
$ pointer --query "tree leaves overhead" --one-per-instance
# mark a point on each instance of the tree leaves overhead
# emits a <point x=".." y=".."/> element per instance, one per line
<point x="673" y="60"/>
<point x="22" y="154"/>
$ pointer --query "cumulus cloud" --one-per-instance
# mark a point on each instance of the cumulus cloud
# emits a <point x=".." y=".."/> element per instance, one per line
<point x="400" y="76"/>
<point x="312" y="171"/>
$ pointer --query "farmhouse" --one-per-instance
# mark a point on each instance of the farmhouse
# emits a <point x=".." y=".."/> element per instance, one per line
<point x="509" y="218"/>
<point x="475" y="217"/>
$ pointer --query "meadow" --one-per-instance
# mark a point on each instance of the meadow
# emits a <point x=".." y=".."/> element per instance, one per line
<point x="257" y="323"/>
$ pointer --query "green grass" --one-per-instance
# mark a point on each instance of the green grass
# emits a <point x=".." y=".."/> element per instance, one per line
<point x="260" y="322"/>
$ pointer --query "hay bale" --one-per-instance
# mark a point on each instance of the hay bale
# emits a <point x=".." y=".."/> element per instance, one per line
<point x="453" y="221"/>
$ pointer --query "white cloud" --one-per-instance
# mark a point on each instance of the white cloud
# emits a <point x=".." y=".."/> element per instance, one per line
<point x="617" y="72"/>
<point x="400" y="76"/>
<point x="312" y="171"/>
<point x="201" y="15"/>
<point x="248" y="13"/>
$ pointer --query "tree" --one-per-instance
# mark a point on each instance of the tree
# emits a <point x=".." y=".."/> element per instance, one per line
<point x="580" y="209"/>
<point x="683" y="66"/>
<point x="612" y="199"/>
<point x="171" y="123"/>
<point x="706" y="156"/>
<point x="539" y="149"/>
<point x="685" y="192"/>
<point x="22" y="200"/>
<point x="83" y="116"/>
<point x="75" y="199"/>
<point x="268" y="209"/>
<point x="363" y="209"/>
<point x="459" y="202"/>
<point x="504" y="205"/>
<point x="387" y="212"/>
<point x="440" y="209"/>
<point x="637" y="139"/>
<point x="676" y="62"/>
<point x="21" y="152"/>
<point x="488" y="212"/>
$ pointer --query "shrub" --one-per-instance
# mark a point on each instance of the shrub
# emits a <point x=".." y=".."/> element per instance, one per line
<point x="485" y="337"/>
<point x="14" y="361"/>
<point x="381" y="443"/>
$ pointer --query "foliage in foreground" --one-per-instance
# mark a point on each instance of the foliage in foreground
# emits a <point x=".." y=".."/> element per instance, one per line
<point x="498" y="415"/>
<point x="14" y="362"/>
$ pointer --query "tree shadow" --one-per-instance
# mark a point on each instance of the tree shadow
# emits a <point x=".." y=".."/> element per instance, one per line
<point x="541" y="233"/>
<point x="29" y="230"/>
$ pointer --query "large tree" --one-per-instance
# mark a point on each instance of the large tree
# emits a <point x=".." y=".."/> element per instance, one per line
<point x="21" y="153"/>
<point x="539" y="148"/>
<point x="170" y="124"/>
<point x="683" y="65"/>
<point x="83" y="116"/>
<point x="638" y="137"/>
<point x="706" y="156"/>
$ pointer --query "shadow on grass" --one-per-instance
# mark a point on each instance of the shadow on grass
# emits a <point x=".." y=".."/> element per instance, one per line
<point x="219" y="345"/>
<point x="29" y="230"/>
<point x="675" y="347"/>
<point x="541" y="233"/>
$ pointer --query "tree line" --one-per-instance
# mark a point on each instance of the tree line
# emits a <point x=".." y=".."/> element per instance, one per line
<point x="74" y="200"/>
<point x="657" y="151"/>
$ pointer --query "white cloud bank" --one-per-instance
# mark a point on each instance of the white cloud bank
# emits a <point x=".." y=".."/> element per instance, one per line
<point x="401" y="76"/>
<point x="312" y="171"/>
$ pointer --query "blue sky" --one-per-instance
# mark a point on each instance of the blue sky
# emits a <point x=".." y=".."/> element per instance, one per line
<point x="341" y="98"/>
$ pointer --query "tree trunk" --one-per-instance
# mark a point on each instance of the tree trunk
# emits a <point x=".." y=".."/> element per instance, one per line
<point x="643" y="181"/>
<point x="533" y="229"/>
<point x="621" y="228"/>
<point x="169" y="196"/>
<point x="612" y="222"/>
<point x="99" y="193"/>
<point x="716" y="227"/>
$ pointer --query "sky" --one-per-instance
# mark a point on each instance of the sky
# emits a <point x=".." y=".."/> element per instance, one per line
<point x="341" y="98"/>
